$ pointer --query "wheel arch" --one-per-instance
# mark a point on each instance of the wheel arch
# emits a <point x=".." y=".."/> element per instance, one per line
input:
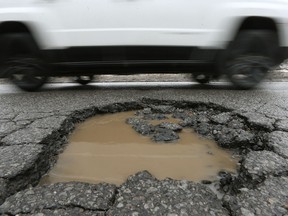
<point x="8" y="28"/>
<point x="248" y="23"/>
<point x="257" y="23"/>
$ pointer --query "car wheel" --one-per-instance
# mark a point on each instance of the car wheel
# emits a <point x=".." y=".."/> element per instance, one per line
<point x="202" y="79"/>
<point x="248" y="71"/>
<point x="84" y="80"/>
<point x="250" y="57"/>
<point x="26" y="73"/>
<point x="23" y="65"/>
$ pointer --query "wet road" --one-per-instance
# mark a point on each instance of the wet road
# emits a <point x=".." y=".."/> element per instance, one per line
<point x="61" y="96"/>
<point x="6" y="88"/>
<point x="67" y="96"/>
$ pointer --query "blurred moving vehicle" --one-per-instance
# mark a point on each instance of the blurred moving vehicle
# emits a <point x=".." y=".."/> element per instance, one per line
<point x="241" y="39"/>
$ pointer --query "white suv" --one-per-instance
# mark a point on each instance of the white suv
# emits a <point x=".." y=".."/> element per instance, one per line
<point x="239" y="38"/>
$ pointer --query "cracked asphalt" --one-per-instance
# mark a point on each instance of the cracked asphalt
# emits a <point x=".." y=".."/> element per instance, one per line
<point x="34" y="129"/>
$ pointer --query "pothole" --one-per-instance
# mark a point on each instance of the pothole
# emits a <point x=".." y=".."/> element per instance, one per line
<point x="258" y="187"/>
<point x="110" y="147"/>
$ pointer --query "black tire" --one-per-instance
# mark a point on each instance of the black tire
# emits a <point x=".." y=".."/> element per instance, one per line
<point x="84" y="80"/>
<point x="23" y="64"/>
<point x="202" y="79"/>
<point x="250" y="56"/>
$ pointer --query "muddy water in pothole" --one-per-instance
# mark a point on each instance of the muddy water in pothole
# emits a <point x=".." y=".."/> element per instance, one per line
<point x="106" y="149"/>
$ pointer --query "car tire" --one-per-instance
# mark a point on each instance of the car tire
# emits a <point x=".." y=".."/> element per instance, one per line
<point x="202" y="79"/>
<point x="249" y="57"/>
<point x="23" y="64"/>
<point x="84" y="80"/>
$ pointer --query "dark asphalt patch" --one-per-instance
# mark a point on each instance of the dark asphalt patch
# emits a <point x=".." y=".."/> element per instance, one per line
<point x="270" y="198"/>
<point x="142" y="194"/>
<point x="278" y="141"/>
<point x="97" y="198"/>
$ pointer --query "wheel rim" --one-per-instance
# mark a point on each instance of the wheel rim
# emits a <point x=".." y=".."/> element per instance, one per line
<point x="202" y="79"/>
<point x="248" y="71"/>
<point x="84" y="80"/>
<point x="25" y="73"/>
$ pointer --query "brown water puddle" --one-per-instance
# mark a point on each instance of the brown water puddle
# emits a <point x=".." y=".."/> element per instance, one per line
<point x="106" y="149"/>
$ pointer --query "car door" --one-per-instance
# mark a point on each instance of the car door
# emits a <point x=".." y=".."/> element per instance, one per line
<point x="130" y="22"/>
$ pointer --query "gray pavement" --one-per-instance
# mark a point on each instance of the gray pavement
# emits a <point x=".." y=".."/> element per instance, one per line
<point x="34" y="129"/>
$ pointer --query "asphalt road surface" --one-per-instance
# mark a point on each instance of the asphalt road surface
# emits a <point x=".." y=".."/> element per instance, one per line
<point x="34" y="125"/>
